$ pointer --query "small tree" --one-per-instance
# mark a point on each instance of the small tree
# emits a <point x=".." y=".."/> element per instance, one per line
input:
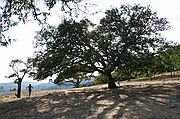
<point x="175" y="56"/>
<point x="20" y="69"/>
<point x="76" y="79"/>
<point x="169" y="57"/>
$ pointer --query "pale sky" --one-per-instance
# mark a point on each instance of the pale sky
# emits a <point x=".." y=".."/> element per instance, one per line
<point x="24" y="33"/>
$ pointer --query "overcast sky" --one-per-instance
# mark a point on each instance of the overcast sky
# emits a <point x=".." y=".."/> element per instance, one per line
<point x="23" y="48"/>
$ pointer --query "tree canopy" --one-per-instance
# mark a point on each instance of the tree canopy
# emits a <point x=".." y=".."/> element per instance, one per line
<point x="12" y="12"/>
<point x="170" y="57"/>
<point x="20" y="70"/>
<point x="125" y="38"/>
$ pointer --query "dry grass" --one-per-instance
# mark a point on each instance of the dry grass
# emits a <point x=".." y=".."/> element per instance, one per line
<point x="133" y="100"/>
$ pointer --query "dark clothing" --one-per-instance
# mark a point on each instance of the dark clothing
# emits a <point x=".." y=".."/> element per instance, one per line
<point x="30" y="89"/>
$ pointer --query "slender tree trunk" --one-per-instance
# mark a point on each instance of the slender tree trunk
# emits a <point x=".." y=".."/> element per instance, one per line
<point x="77" y="83"/>
<point x="111" y="82"/>
<point x="128" y="75"/>
<point x="19" y="88"/>
<point x="171" y="73"/>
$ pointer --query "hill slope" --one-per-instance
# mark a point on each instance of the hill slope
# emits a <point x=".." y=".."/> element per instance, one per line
<point x="133" y="100"/>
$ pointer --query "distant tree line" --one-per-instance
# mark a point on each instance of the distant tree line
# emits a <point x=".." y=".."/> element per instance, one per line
<point x="167" y="59"/>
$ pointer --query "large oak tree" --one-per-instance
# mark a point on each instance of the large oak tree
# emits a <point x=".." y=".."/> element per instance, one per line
<point x="125" y="38"/>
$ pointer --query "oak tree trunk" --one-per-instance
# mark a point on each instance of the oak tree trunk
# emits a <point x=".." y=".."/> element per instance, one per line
<point x="111" y="82"/>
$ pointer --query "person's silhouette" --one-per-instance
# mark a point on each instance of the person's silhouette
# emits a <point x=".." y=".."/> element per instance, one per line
<point x="2" y="89"/>
<point x="29" y="89"/>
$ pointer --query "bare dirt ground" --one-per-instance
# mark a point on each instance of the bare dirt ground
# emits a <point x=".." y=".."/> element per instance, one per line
<point x="158" y="99"/>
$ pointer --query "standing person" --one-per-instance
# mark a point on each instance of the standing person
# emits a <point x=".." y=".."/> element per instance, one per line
<point x="29" y="89"/>
<point x="2" y="89"/>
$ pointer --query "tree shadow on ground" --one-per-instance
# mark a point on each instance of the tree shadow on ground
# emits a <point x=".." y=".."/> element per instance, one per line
<point x="126" y="102"/>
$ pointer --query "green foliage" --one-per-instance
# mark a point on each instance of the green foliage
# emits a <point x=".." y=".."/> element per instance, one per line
<point x="175" y="56"/>
<point x="169" y="57"/>
<point x="64" y="50"/>
<point x="14" y="89"/>
<point x="20" y="69"/>
<point x="12" y="12"/>
<point x="74" y="78"/>
<point x="125" y="75"/>
<point x="101" y="79"/>
<point x="125" y="40"/>
<point x="138" y="74"/>
<point x="121" y="75"/>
